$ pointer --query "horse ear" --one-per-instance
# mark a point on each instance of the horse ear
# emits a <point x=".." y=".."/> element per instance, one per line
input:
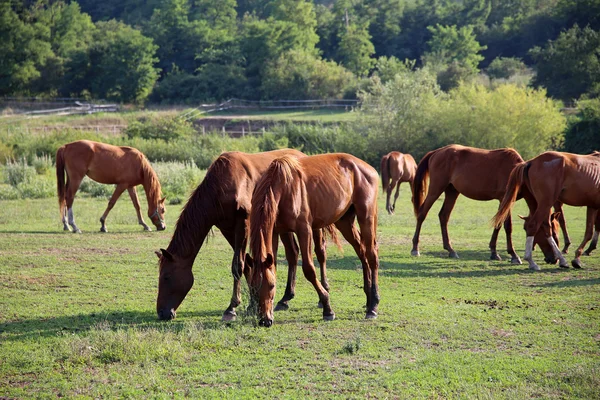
<point x="269" y="260"/>
<point x="248" y="261"/>
<point x="523" y="218"/>
<point x="158" y="254"/>
<point x="556" y="215"/>
<point x="162" y="200"/>
<point x="166" y="254"/>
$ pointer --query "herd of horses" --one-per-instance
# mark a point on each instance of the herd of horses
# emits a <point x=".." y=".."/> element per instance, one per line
<point x="257" y="199"/>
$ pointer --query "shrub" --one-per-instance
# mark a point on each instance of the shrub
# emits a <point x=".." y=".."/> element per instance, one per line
<point x="178" y="179"/>
<point x="166" y="128"/>
<point x="582" y="135"/>
<point x="39" y="187"/>
<point x="8" y="192"/>
<point x="505" y="67"/>
<point x="95" y="189"/>
<point x="18" y="172"/>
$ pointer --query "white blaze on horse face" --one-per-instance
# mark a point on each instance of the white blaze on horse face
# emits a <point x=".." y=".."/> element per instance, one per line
<point x="562" y="262"/>
<point x="528" y="253"/>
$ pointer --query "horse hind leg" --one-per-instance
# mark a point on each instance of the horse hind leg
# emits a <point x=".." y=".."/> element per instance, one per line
<point x="589" y="231"/>
<point x="396" y="196"/>
<point x="432" y="195"/>
<point x="514" y="258"/>
<point x="444" y="216"/>
<point x="72" y="185"/>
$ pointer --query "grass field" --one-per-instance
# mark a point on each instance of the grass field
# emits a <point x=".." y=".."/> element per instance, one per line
<point x="77" y="317"/>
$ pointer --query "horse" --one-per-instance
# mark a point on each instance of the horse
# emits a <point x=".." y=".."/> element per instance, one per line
<point x="476" y="173"/>
<point x="301" y="195"/>
<point x="223" y="199"/>
<point x="399" y="168"/>
<point x="552" y="177"/>
<point x="104" y="163"/>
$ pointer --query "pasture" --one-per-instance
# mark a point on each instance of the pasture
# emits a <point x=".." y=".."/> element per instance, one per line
<point x="77" y="315"/>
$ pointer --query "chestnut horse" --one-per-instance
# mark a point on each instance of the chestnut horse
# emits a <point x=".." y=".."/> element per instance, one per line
<point x="301" y="195"/>
<point x="476" y="173"/>
<point x="399" y="168"/>
<point x="222" y="200"/>
<point x="549" y="178"/>
<point x="124" y="166"/>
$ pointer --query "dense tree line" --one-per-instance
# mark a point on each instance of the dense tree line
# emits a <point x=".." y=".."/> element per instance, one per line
<point x="198" y="50"/>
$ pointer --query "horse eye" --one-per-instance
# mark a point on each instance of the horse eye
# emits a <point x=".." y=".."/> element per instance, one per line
<point x="166" y="278"/>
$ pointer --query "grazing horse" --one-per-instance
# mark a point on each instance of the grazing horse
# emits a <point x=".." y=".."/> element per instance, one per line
<point x="399" y="168"/>
<point x="301" y="195"/>
<point x="222" y="200"/>
<point x="124" y="166"/>
<point x="476" y="173"/>
<point x="549" y="178"/>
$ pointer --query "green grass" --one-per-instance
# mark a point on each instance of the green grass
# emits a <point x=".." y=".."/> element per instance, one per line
<point x="77" y="316"/>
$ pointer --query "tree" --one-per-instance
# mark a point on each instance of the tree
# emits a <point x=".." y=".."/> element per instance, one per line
<point x="299" y="74"/>
<point x="569" y="66"/>
<point x="24" y="49"/>
<point x="355" y="50"/>
<point x="119" y="65"/>
<point x="451" y="44"/>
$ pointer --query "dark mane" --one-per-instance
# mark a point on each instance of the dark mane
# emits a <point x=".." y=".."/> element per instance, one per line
<point x="201" y="211"/>
<point x="280" y="174"/>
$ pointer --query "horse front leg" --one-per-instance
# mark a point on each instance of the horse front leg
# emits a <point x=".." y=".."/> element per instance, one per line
<point x="111" y="203"/>
<point x="321" y="252"/>
<point x="594" y="242"/>
<point x="136" y="204"/>
<point x="563" y="226"/>
<point x="238" y="240"/>
<point x="310" y="273"/>
<point x="291" y="255"/>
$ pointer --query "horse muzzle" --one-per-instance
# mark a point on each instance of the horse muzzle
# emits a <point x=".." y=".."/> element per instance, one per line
<point x="166" y="315"/>
<point x="550" y="260"/>
<point x="161" y="227"/>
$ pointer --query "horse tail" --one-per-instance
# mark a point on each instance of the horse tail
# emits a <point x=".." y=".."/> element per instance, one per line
<point x="330" y="231"/>
<point x="385" y="172"/>
<point x="513" y="187"/>
<point x="419" y="187"/>
<point x="60" y="180"/>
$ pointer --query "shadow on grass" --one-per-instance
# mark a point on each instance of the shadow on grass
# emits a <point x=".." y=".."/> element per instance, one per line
<point x="571" y="283"/>
<point x="47" y="327"/>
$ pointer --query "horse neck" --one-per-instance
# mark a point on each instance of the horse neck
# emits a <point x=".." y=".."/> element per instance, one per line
<point x="197" y="218"/>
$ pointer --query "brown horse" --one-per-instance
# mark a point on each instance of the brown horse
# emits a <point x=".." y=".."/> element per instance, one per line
<point x="124" y="166"/>
<point x="399" y="168"/>
<point x="301" y="195"/>
<point x="223" y="200"/>
<point x="476" y="173"/>
<point x="553" y="177"/>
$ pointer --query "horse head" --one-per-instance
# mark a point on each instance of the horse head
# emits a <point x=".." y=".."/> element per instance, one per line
<point x="158" y="216"/>
<point x="175" y="280"/>
<point x="547" y="229"/>
<point x="262" y="287"/>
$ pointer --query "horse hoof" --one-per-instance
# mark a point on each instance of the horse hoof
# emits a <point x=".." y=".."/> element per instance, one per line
<point x="587" y="253"/>
<point x="67" y="229"/>
<point x="282" y="307"/>
<point x="534" y="267"/>
<point x="453" y="254"/>
<point x="371" y="315"/>
<point x="565" y="266"/>
<point x="229" y="316"/>
<point x="516" y="261"/>
<point x="415" y="253"/>
<point x="495" y="257"/>
<point x="103" y="229"/>
<point x="77" y="230"/>
<point x="576" y="263"/>
<point x="329" y="317"/>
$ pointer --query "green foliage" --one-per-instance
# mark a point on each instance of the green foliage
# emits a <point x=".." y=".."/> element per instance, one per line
<point x="582" y="134"/>
<point x="300" y="75"/>
<point x="387" y="68"/>
<point x="505" y="67"/>
<point x="178" y="179"/>
<point x="570" y="66"/>
<point x="164" y="128"/>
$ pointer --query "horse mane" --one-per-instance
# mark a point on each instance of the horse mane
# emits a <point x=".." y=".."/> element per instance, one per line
<point x="151" y="181"/>
<point x="279" y="174"/>
<point x="201" y="209"/>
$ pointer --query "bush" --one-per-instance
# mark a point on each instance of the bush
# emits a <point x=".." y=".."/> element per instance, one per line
<point x="8" y="192"/>
<point x="166" y="128"/>
<point x="178" y="179"/>
<point x="18" y="172"/>
<point x="505" y="67"/>
<point x="95" y="189"/>
<point x="39" y="187"/>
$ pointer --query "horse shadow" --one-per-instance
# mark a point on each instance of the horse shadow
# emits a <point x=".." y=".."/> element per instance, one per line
<point x="35" y="328"/>
<point x="571" y="283"/>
